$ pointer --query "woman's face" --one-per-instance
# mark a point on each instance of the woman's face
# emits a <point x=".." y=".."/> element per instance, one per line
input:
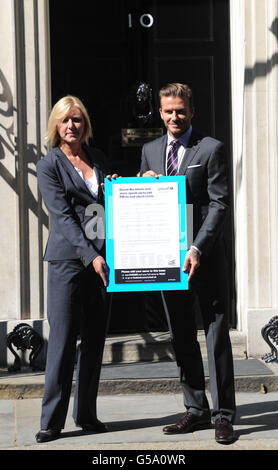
<point x="71" y="128"/>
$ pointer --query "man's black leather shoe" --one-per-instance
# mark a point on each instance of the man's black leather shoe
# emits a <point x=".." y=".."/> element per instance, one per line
<point x="223" y="431"/>
<point x="48" y="435"/>
<point x="188" y="423"/>
<point x="96" y="427"/>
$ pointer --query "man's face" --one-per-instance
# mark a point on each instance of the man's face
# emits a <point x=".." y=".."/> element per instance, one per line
<point x="176" y="114"/>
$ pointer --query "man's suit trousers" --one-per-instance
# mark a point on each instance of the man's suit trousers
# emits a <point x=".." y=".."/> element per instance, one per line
<point x="208" y="292"/>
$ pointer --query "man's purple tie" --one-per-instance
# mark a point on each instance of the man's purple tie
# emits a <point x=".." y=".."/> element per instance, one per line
<point x="172" y="160"/>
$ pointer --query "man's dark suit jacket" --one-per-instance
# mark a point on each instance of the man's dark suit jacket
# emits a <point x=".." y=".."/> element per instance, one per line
<point x="66" y="196"/>
<point x="206" y="184"/>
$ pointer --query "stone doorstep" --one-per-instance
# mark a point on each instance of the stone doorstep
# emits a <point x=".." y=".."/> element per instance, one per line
<point x="136" y="348"/>
<point x="24" y="389"/>
<point x="154" y="346"/>
<point x="142" y="347"/>
<point x="145" y="346"/>
<point x="132" y="348"/>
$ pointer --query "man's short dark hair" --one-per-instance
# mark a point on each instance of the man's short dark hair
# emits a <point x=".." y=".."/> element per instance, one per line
<point x="177" y="89"/>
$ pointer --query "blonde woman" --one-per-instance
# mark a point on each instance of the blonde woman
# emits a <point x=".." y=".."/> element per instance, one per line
<point x="70" y="177"/>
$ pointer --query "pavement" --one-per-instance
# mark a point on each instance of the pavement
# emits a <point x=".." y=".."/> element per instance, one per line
<point x="136" y="399"/>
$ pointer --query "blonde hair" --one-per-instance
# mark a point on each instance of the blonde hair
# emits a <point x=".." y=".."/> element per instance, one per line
<point x="59" y="112"/>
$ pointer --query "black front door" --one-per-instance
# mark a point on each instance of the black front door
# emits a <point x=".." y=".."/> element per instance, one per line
<point x="103" y="51"/>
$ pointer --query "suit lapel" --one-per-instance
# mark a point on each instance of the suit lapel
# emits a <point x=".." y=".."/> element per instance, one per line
<point x="76" y="178"/>
<point x="192" y="150"/>
<point x="161" y="155"/>
<point x="98" y="172"/>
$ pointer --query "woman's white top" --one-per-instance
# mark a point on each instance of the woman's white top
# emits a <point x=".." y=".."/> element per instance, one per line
<point x="91" y="183"/>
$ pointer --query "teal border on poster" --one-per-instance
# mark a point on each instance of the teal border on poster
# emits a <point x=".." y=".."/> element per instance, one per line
<point x="109" y="232"/>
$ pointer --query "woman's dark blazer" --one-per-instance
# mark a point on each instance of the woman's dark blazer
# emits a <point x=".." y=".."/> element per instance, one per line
<point x="66" y="196"/>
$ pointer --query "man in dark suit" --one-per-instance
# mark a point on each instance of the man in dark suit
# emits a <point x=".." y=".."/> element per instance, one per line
<point x="182" y="151"/>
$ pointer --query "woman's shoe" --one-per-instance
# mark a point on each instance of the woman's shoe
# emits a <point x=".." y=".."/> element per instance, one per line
<point x="47" y="435"/>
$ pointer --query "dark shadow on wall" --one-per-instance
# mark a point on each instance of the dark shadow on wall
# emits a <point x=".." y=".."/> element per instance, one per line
<point x="9" y="143"/>
<point x="259" y="69"/>
<point x="262" y="69"/>
<point x="25" y="156"/>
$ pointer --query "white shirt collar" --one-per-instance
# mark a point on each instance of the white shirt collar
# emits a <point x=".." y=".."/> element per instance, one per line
<point x="183" y="139"/>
